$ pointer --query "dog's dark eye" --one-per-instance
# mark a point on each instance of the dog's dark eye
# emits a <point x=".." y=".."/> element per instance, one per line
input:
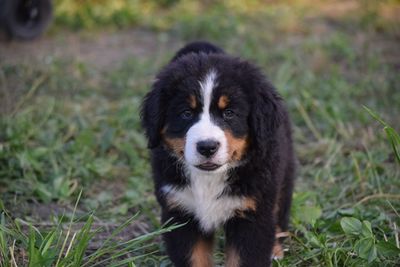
<point x="186" y="114"/>
<point x="228" y="114"/>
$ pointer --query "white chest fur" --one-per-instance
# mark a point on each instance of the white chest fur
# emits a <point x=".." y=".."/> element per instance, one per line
<point x="205" y="200"/>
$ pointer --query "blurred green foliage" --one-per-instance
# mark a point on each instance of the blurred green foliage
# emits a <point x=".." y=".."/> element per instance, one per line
<point x="213" y="17"/>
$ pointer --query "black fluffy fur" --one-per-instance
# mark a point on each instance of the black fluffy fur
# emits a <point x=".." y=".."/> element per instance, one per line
<point x="268" y="168"/>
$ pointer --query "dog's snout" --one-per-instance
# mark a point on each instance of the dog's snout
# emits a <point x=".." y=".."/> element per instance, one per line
<point x="208" y="147"/>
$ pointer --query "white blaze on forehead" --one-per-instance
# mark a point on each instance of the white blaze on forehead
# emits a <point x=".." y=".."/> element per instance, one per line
<point x="207" y="86"/>
<point x="205" y="128"/>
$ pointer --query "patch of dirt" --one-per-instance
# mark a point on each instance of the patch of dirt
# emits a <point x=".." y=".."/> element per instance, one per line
<point x="337" y="10"/>
<point x="101" y="49"/>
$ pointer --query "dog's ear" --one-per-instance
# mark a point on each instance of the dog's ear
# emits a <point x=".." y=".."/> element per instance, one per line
<point x="152" y="115"/>
<point x="266" y="117"/>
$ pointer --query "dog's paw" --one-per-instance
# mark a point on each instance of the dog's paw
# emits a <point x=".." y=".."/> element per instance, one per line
<point x="277" y="251"/>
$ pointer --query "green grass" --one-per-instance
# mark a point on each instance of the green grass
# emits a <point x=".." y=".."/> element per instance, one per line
<point x="66" y="246"/>
<point x="69" y="127"/>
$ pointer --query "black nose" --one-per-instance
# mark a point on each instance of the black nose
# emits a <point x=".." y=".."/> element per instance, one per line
<point x="208" y="147"/>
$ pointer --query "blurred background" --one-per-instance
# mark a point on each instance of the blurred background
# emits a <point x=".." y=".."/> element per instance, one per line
<point x="73" y="157"/>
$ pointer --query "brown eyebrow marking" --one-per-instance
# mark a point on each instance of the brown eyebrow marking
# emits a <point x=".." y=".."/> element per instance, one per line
<point x="223" y="101"/>
<point x="192" y="101"/>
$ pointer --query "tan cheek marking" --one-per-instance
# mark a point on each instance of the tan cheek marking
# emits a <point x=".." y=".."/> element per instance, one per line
<point x="202" y="254"/>
<point x="176" y="144"/>
<point x="223" y="102"/>
<point x="192" y="101"/>
<point x="236" y="146"/>
<point x="232" y="258"/>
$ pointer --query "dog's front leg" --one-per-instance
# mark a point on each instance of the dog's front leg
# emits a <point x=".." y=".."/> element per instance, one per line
<point x="188" y="246"/>
<point x="249" y="241"/>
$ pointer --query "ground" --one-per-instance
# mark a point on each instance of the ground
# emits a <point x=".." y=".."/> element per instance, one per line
<point x="69" y="103"/>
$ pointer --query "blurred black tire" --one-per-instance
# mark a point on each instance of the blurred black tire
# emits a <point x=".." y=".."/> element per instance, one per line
<point x="25" y="19"/>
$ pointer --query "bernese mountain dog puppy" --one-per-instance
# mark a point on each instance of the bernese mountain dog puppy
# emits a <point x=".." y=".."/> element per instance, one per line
<point x="222" y="156"/>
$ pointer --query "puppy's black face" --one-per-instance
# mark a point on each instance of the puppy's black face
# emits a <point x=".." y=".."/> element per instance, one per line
<point x="206" y="122"/>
